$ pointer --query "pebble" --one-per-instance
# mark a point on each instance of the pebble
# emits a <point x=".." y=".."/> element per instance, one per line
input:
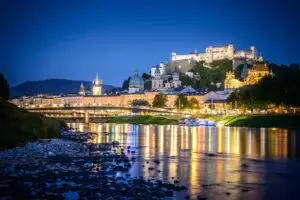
<point x="156" y="161"/>
<point x="73" y="168"/>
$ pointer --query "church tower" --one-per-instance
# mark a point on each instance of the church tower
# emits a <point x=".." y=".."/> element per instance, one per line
<point x="82" y="90"/>
<point x="97" y="87"/>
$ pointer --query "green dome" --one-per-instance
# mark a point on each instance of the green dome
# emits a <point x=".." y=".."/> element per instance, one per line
<point x="136" y="79"/>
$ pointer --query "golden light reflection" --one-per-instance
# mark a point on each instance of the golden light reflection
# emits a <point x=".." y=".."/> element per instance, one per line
<point x="183" y="148"/>
<point x="161" y="139"/>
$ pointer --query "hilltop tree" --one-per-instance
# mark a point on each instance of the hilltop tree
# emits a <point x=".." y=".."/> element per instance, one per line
<point x="4" y="88"/>
<point x="279" y="90"/>
<point x="207" y="77"/>
<point x="182" y="102"/>
<point x="125" y="84"/>
<point x="148" y="85"/>
<point x="194" y="103"/>
<point x="160" y="101"/>
<point x="146" y="76"/>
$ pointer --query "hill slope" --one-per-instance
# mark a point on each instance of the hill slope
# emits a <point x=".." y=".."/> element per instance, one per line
<point x="51" y="86"/>
<point x="19" y="126"/>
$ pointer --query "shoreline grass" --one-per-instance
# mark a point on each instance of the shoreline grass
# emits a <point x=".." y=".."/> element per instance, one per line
<point x="145" y="119"/>
<point x="259" y="121"/>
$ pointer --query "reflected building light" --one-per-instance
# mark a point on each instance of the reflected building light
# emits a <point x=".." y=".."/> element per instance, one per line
<point x="100" y="128"/>
<point x="204" y="138"/>
<point x="250" y="142"/>
<point x="238" y="141"/>
<point x="262" y="142"/>
<point x="220" y="139"/>
<point x="227" y="138"/>
<point x="214" y="139"/>
<point x="161" y="139"/>
<point x="99" y="137"/>
<point x="209" y="140"/>
<point x="173" y="145"/>
<point x="135" y="137"/>
<point x="147" y="142"/>
<point x="194" y="139"/>
<point x="186" y="138"/>
<point x="81" y="127"/>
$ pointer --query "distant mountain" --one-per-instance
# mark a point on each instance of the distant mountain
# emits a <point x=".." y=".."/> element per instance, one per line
<point x="52" y="87"/>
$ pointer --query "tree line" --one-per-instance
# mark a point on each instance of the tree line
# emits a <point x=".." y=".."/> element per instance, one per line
<point x="280" y="89"/>
<point x="4" y="88"/>
<point x="160" y="101"/>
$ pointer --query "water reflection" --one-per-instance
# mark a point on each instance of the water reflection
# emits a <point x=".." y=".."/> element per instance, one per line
<point x="183" y="154"/>
<point x="247" y="142"/>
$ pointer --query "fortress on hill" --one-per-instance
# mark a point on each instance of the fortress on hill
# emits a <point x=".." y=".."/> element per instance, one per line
<point x="213" y="53"/>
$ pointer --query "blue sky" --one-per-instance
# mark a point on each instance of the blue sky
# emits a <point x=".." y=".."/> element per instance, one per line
<point x="77" y="39"/>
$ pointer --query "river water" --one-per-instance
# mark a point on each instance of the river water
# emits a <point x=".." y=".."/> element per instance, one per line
<point x="213" y="162"/>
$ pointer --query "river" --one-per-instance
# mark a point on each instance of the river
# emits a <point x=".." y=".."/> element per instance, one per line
<point x="213" y="162"/>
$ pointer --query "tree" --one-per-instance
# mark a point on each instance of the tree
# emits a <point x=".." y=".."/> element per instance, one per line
<point x="238" y="71"/>
<point x="4" y="88"/>
<point x="194" y="103"/>
<point x="182" y="102"/>
<point x="279" y="90"/>
<point x="207" y="76"/>
<point x="160" y="101"/>
<point x="125" y="84"/>
<point x="140" y="102"/>
<point x="148" y="85"/>
<point x="146" y="76"/>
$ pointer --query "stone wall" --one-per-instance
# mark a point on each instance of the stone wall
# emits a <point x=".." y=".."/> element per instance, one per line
<point x="116" y="100"/>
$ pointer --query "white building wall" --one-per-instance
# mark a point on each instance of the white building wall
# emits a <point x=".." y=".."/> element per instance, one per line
<point x="217" y="53"/>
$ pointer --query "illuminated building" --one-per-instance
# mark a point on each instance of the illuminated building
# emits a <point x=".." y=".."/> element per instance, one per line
<point x="213" y="53"/>
<point x="254" y="75"/>
<point x="136" y="83"/>
<point x="82" y="90"/>
<point x="97" y="87"/>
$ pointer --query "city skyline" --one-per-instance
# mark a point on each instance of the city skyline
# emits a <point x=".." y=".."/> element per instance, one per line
<point x="77" y="40"/>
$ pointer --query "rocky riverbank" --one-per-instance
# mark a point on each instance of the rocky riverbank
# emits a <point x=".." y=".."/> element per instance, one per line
<point x="71" y="168"/>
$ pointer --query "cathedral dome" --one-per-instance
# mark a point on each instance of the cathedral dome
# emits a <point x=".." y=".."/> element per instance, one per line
<point x="136" y="79"/>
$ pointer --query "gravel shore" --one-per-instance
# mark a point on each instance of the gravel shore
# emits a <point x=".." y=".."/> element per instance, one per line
<point x="73" y="168"/>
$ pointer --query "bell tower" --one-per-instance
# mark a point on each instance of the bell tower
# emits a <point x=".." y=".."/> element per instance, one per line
<point x="97" y="86"/>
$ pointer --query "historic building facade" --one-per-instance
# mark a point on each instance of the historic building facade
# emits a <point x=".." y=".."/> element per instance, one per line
<point x="136" y="83"/>
<point x="112" y="100"/>
<point x="97" y="87"/>
<point x="213" y="53"/>
<point x="253" y="75"/>
<point x="163" y="82"/>
<point x="82" y="90"/>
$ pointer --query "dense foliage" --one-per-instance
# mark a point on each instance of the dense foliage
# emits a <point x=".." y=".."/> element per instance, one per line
<point x="182" y="102"/>
<point x="125" y="84"/>
<point x="4" y="88"/>
<point x="208" y="78"/>
<point x="146" y="119"/>
<point x="279" y="89"/>
<point x="160" y="101"/>
<point x="19" y="126"/>
<point x="194" y="103"/>
<point x="140" y="102"/>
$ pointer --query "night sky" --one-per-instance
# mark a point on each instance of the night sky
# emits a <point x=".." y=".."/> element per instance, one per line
<point x="75" y="39"/>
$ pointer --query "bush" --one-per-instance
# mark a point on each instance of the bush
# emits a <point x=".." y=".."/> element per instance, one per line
<point x="19" y="126"/>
